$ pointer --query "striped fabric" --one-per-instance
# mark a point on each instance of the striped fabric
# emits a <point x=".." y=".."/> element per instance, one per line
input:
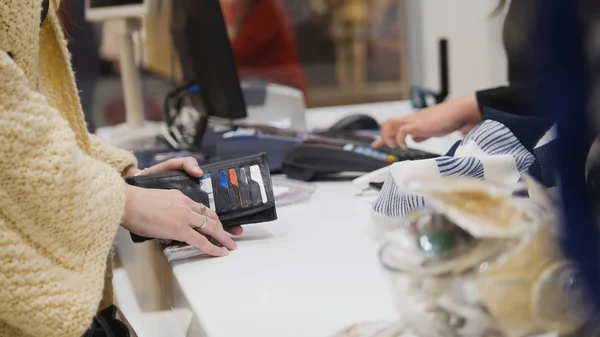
<point x="449" y="166"/>
<point x="495" y="139"/>
<point x="490" y="151"/>
<point x="394" y="203"/>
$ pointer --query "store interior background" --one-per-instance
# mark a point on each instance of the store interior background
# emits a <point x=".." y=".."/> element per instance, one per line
<point x="351" y="51"/>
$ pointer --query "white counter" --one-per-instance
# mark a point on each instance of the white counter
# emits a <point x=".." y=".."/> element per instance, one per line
<point x="311" y="273"/>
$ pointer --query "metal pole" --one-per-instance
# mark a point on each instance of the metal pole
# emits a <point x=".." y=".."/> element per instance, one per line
<point x="130" y="75"/>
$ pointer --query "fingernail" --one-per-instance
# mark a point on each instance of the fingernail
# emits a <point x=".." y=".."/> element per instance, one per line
<point x="224" y="251"/>
<point x="197" y="169"/>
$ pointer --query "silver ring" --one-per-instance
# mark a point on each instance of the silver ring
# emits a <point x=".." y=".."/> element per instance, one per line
<point x="142" y="171"/>
<point x="204" y="224"/>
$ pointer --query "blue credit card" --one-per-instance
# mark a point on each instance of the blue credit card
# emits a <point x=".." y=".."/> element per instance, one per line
<point x="223" y="180"/>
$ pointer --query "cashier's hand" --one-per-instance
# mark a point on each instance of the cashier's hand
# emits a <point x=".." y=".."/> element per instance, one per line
<point x="440" y="120"/>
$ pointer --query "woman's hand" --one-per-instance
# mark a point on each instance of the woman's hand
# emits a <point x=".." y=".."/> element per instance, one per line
<point x="187" y="164"/>
<point x="190" y="166"/>
<point x="170" y="215"/>
<point x="435" y="121"/>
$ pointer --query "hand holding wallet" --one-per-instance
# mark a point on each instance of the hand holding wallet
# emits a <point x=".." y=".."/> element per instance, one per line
<point x="239" y="190"/>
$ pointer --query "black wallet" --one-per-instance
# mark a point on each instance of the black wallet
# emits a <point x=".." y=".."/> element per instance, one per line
<point x="239" y="190"/>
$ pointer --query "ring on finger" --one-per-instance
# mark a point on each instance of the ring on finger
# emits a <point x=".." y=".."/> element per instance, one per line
<point x="140" y="172"/>
<point x="203" y="210"/>
<point x="204" y="223"/>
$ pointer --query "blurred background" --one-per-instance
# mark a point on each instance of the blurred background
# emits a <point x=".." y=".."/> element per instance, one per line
<point x="338" y="52"/>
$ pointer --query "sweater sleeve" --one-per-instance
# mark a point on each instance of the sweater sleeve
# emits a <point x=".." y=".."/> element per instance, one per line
<point x="59" y="212"/>
<point x="515" y="99"/>
<point x="117" y="158"/>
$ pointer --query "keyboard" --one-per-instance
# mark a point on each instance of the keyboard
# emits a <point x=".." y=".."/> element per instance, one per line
<point x="408" y="154"/>
<point x="367" y="137"/>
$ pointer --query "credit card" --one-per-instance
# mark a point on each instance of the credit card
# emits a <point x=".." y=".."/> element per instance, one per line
<point x="223" y="179"/>
<point x="254" y="189"/>
<point x="244" y="188"/>
<point x="234" y="189"/>
<point x="222" y="193"/>
<point x="243" y="176"/>
<point x="206" y="187"/>
<point x="257" y="177"/>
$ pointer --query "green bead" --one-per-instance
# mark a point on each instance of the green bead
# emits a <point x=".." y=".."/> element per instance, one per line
<point x="436" y="244"/>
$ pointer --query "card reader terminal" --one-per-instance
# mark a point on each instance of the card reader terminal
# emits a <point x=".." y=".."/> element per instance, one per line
<point x="317" y="156"/>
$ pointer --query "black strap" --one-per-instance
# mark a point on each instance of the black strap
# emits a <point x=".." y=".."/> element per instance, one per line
<point x="108" y="331"/>
<point x="45" y="8"/>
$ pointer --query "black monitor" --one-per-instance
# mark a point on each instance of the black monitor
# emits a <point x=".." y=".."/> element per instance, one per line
<point x="206" y="56"/>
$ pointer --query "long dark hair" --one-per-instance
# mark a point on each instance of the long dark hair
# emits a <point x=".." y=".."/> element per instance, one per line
<point x="499" y="7"/>
<point x="64" y="14"/>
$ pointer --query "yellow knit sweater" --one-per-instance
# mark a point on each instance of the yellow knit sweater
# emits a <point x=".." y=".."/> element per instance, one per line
<point x="61" y="192"/>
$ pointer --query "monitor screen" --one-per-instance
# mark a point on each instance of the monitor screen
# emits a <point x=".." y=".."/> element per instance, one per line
<point x="206" y="56"/>
<point x="111" y="3"/>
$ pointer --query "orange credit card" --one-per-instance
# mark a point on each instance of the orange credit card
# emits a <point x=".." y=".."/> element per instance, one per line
<point x="234" y="181"/>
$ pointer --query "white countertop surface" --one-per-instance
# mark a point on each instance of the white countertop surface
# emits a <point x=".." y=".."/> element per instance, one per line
<point x="311" y="273"/>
